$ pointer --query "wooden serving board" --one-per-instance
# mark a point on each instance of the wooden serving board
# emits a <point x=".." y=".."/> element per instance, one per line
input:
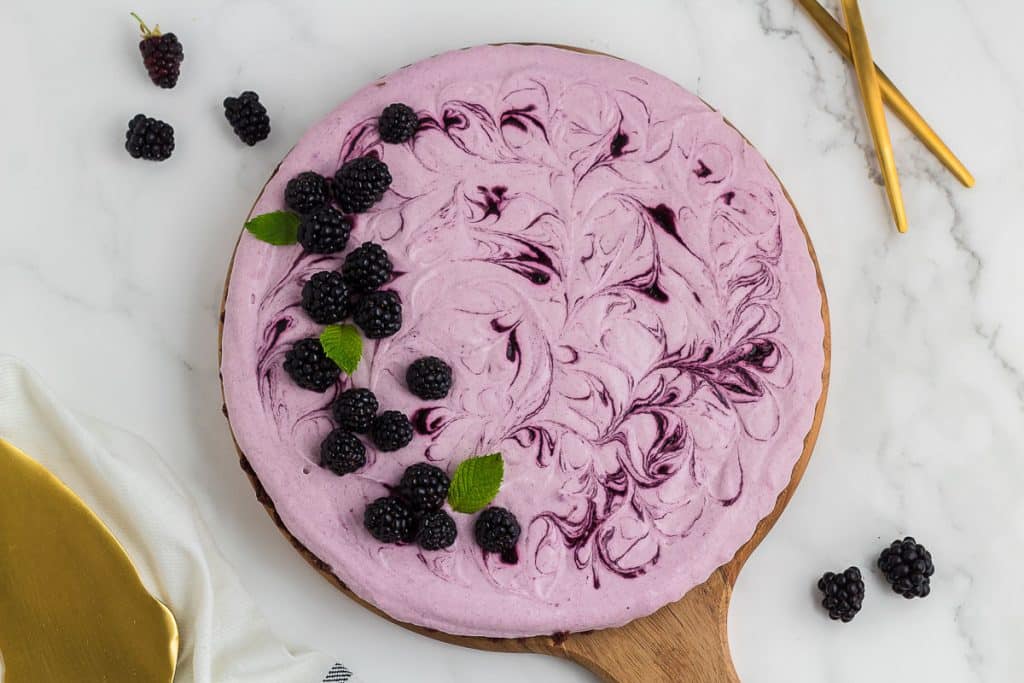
<point x="684" y="642"/>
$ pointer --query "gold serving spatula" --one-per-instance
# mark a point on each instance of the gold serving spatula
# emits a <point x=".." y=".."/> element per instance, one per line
<point x="871" y="94"/>
<point x="72" y="606"/>
<point x="892" y="96"/>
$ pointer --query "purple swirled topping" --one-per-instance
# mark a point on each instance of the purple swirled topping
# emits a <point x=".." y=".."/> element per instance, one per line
<point x="631" y="312"/>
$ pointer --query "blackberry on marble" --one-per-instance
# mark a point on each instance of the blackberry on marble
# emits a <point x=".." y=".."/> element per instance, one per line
<point x="391" y="430"/>
<point x="355" y="409"/>
<point x="248" y="117"/>
<point x="378" y="314"/>
<point x="366" y="267"/>
<point x="342" y="453"/>
<point x="389" y="521"/>
<point x="361" y="183"/>
<point x="149" y="138"/>
<point x="324" y="231"/>
<point x="397" y="123"/>
<point x="908" y="568"/>
<point x="307" y="191"/>
<point x="497" y="531"/>
<point x="843" y="594"/>
<point x="162" y="54"/>
<point x="429" y="378"/>
<point x="424" y="487"/>
<point x="325" y="297"/>
<point x="310" y="367"/>
<point x="436" y="531"/>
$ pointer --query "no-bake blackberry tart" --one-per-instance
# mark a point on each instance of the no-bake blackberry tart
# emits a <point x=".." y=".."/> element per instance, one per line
<point x="626" y="302"/>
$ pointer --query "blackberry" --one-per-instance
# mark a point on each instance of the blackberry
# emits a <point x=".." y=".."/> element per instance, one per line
<point x="429" y="378"/>
<point x="424" y="487"/>
<point x="325" y="297"/>
<point x="360" y="183"/>
<point x="844" y="594"/>
<point x="908" y="567"/>
<point x="248" y="118"/>
<point x="307" y="191"/>
<point x="310" y="367"/>
<point x="355" y="409"/>
<point x="378" y="314"/>
<point x="496" y="531"/>
<point x="161" y="53"/>
<point x="149" y="138"/>
<point x="341" y="452"/>
<point x="436" y="531"/>
<point x="324" y="231"/>
<point x="389" y="521"/>
<point x="366" y="267"/>
<point x="391" y="430"/>
<point x="397" y="123"/>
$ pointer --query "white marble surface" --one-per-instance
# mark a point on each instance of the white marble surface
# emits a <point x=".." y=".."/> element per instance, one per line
<point x="111" y="273"/>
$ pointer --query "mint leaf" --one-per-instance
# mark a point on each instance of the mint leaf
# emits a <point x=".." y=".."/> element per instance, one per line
<point x="278" y="227"/>
<point x="343" y="345"/>
<point x="476" y="482"/>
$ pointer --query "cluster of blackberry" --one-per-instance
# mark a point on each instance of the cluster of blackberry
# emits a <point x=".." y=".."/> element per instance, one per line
<point x="413" y="513"/>
<point x="151" y="139"/>
<point x="906" y="565"/>
<point x="330" y="296"/>
<point x="355" y="412"/>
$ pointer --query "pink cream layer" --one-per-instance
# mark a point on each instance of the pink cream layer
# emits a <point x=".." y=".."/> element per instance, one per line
<point x="631" y="312"/>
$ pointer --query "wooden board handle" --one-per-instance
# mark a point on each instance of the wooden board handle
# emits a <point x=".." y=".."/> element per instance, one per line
<point x="685" y="641"/>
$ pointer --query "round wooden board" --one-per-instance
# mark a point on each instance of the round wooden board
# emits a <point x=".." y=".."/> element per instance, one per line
<point x="687" y="640"/>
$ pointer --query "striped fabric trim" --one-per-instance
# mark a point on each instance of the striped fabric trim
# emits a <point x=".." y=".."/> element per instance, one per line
<point x="337" y="674"/>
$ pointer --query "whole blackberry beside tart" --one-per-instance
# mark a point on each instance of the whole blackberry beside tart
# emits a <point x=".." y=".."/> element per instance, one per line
<point x="907" y="566"/>
<point x="843" y="594"/>
<point x="162" y="54"/>
<point x="149" y="138"/>
<point x="248" y="117"/>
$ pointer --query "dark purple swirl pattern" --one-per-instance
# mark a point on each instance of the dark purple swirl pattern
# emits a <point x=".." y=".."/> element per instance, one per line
<point x="633" y="318"/>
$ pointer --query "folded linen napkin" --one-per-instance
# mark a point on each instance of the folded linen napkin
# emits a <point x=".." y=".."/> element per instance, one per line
<point x="224" y="639"/>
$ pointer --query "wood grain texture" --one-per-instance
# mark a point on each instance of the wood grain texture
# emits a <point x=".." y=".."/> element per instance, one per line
<point x="685" y="641"/>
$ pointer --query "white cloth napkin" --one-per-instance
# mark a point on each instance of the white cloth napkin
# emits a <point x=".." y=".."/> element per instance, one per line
<point x="223" y="637"/>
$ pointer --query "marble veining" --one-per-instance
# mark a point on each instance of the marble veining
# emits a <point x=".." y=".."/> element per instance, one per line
<point x="111" y="274"/>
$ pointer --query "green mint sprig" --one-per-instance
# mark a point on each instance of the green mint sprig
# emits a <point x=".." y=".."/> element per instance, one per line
<point x="278" y="228"/>
<point x="476" y="482"/>
<point x="343" y="345"/>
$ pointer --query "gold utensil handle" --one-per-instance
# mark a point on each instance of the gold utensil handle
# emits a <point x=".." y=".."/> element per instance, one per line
<point x="72" y="606"/>
<point x="899" y="104"/>
<point x="871" y="94"/>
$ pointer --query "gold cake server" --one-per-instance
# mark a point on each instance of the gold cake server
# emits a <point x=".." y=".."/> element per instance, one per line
<point x="72" y="606"/>
<point x="899" y="104"/>
<point x="870" y="93"/>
